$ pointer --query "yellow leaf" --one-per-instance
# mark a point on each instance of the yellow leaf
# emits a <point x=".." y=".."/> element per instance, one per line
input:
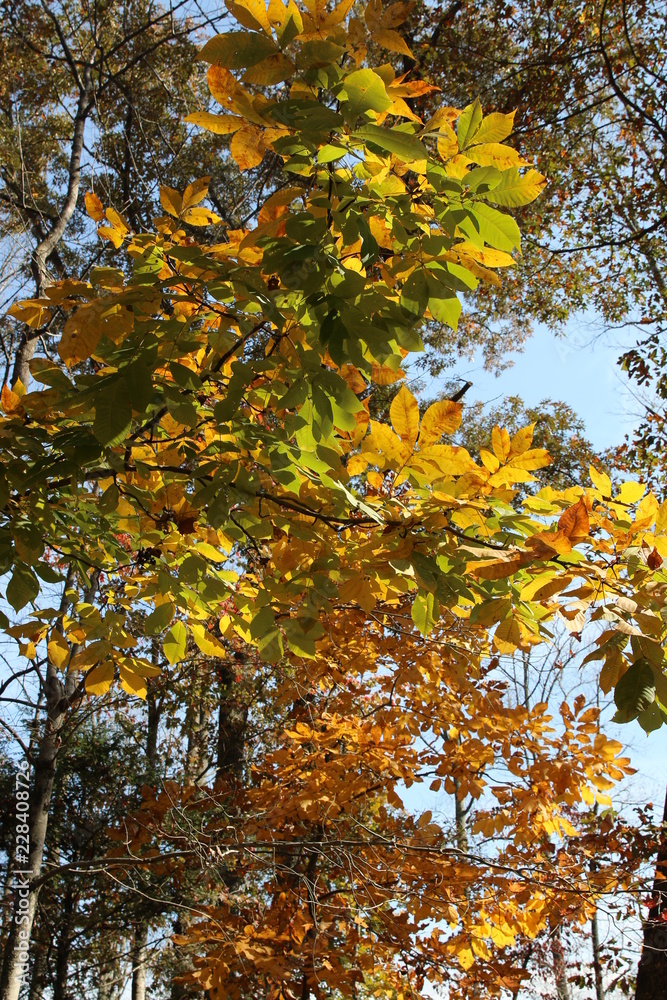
<point x="382" y="439"/>
<point x="404" y="414"/>
<point x="99" y="680"/>
<point x="131" y="682"/>
<point x="501" y="444"/>
<point x="396" y="13"/>
<point x="196" y="192"/>
<point x="384" y="375"/>
<point x="522" y="440"/>
<point x="489" y="461"/>
<point x="276" y="12"/>
<point x="80" y="337"/>
<point x="494" y="154"/>
<point x="171" y="201"/>
<point x="94" y="206"/>
<point x="32" y="313"/>
<point x="448" y="459"/>
<point x="494" y="128"/>
<point x="220" y="124"/>
<point x="447" y="145"/>
<point x="110" y="234"/>
<point x="441" y="418"/>
<point x="58" y="650"/>
<point x="630" y="492"/>
<point x="465" y="957"/>
<point x="600" y="480"/>
<point x="392" y="41"/>
<point x="246" y="147"/>
<point x="535" y="458"/>
<point x="207" y="643"/>
<point x="507" y="637"/>
<point x="200" y="217"/>
<point x="250" y="13"/>
<point x="117" y="221"/>
<point x="488" y="256"/>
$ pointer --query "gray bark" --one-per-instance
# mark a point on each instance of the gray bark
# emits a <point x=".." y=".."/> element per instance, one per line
<point x="41" y="253"/>
<point x="597" y="964"/>
<point x="58" y="697"/>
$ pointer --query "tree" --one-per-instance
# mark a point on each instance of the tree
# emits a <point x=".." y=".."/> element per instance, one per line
<point x="202" y="466"/>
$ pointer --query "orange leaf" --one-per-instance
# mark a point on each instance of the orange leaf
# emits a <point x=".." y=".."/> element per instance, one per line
<point x="94" y="206"/>
<point x="574" y="522"/>
<point x="11" y="402"/>
<point x="247" y="148"/>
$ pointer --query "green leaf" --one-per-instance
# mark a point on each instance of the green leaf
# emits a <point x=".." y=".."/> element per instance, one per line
<point x="139" y="385"/>
<point x="515" y="189"/>
<point x="22" y="588"/>
<point x="363" y="91"/>
<point x="113" y="413"/>
<point x="651" y="718"/>
<point x="159" y="619"/>
<point x="443" y="302"/>
<point x="300" y="642"/>
<point x="175" y="642"/>
<point x="330" y="153"/>
<point x="415" y="293"/>
<point x="262" y="622"/>
<point x="635" y="691"/>
<point x="109" y="499"/>
<point x="238" y="49"/>
<point x="408" y="147"/>
<point x="425" y="612"/>
<point x="469" y="123"/>
<point x="496" y="229"/>
<point x="270" y="646"/>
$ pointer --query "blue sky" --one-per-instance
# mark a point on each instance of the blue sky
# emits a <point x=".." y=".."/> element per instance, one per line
<point x="581" y="369"/>
<point x="578" y="367"/>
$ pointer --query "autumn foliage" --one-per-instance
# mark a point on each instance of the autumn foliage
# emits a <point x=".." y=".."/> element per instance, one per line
<point x="205" y="470"/>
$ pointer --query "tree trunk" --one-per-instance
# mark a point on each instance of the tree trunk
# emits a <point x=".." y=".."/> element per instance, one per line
<point x="652" y="972"/>
<point x="140" y="961"/>
<point x="559" y="965"/>
<point x="57" y="697"/>
<point x="64" y="948"/>
<point x="232" y="723"/>
<point x="597" y="964"/>
<point x="39" y="969"/>
<point x="109" y="977"/>
<point x="140" y="942"/>
<point x="40" y="801"/>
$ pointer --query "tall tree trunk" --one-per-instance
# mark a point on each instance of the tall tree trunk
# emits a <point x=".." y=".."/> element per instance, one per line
<point x="140" y="961"/>
<point x="40" y="952"/>
<point x="597" y="964"/>
<point x="109" y="976"/>
<point x="65" y="922"/>
<point x="142" y="927"/>
<point x="232" y="723"/>
<point x="559" y="964"/>
<point x="58" y="698"/>
<point x="652" y="972"/>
